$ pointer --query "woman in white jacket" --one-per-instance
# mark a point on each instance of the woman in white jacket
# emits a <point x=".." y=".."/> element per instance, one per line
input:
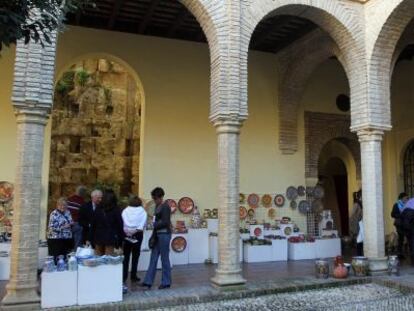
<point x="134" y="218"/>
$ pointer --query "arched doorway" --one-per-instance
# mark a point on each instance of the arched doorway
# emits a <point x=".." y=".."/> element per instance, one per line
<point x="409" y="169"/>
<point x="96" y="128"/>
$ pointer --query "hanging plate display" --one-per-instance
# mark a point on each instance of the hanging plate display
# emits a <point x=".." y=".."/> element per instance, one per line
<point x="309" y="191"/>
<point x="2" y="214"/>
<point x="293" y="204"/>
<point x="317" y="206"/>
<point x="253" y="200"/>
<point x="318" y="192"/>
<point x="271" y="213"/>
<point x="257" y="232"/>
<point x="301" y="191"/>
<point x="304" y="207"/>
<point x="179" y="244"/>
<point x="6" y="191"/>
<point x="242" y="198"/>
<point x="250" y="213"/>
<point x="243" y="212"/>
<point x="186" y="205"/>
<point x="279" y="200"/>
<point x="172" y="204"/>
<point x="291" y="193"/>
<point x="267" y="200"/>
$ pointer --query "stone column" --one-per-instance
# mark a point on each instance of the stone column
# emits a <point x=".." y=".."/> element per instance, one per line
<point x="22" y="286"/>
<point x="372" y="198"/>
<point x="228" y="272"/>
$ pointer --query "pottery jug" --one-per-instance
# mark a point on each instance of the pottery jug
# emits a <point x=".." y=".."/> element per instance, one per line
<point x="340" y="271"/>
<point x="196" y="218"/>
<point x="393" y="265"/>
<point x="360" y="265"/>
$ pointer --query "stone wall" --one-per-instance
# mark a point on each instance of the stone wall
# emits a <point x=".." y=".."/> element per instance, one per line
<point x="95" y="129"/>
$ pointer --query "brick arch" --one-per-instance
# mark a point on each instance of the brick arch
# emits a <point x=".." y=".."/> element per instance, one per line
<point x="393" y="19"/>
<point x="321" y="128"/>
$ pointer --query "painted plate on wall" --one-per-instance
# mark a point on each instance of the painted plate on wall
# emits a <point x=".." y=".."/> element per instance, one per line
<point x="243" y="212"/>
<point x="291" y="193"/>
<point x="293" y="204"/>
<point x="279" y="200"/>
<point x="309" y="191"/>
<point x="186" y="205"/>
<point x="318" y="192"/>
<point x="301" y="191"/>
<point x="179" y="244"/>
<point x="317" y="206"/>
<point x="242" y="198"/>
<point x="6" y="191"/>
<point x="304" y="207"/>
<point x="267" y="200"/>
<point x="172" y="204"/>
<point x="271" y="213"/>
<point x="250" y="212"/>
<point x="253" y="200"/>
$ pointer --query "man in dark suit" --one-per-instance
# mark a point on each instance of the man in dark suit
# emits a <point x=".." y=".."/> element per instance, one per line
<point x="86" y="213"/>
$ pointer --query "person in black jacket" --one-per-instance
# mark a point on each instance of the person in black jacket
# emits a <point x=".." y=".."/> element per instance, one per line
<point x="106" y="229"/>
<point x="407" y="219"/>
<point x="396" y="214"/>
<point x="86" y="213"/>
<point x="162" y="229"/>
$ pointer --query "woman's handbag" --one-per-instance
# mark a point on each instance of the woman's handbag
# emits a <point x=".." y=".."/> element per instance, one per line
<point x="152" y="242"/>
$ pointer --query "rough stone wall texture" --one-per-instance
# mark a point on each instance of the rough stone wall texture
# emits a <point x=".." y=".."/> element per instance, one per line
<point x="95" y="129"/>
<point x="320" y="128"/>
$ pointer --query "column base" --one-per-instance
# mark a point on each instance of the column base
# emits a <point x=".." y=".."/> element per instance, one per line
<point x="378" y="265"/>
<point x="228" y="279"/>
<point x="21" y="299"/>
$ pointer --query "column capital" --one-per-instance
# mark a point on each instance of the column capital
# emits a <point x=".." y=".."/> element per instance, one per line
<point x="370" y="134"/>
<point x="228" y="125"/>
<point x="28" y="115"/>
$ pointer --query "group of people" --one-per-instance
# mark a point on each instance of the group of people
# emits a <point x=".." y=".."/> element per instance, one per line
<point x="101" y="224"/>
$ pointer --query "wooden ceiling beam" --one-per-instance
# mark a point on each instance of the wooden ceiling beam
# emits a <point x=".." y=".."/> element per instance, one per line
<point x="115" y="11"/>
<point x="177" y="22"/>
<point x="277" y="24"/>
<point x="143" y="25"/>
<point x="295" y="36"/>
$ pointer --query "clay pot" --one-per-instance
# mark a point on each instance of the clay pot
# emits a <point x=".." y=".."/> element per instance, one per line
<point x="360" y="265"/>
<point x="340" y="271"/>
<point x="321" y="269"/>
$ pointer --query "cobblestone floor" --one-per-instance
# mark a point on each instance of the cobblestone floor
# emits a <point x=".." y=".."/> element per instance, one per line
<point x="355" y="297"/>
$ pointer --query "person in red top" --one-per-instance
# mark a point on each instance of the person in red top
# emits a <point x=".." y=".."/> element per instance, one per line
<point x="74" y="203"/>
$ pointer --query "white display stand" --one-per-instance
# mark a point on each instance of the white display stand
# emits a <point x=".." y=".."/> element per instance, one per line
<point x="257" y="253"/>
<point x="212" y="225"/>
<point x="326" y="248"/>
<point x="4" y="268"/>
<point x="197" y="244"/>
<point x="252" y="228"/>
<point x="59" y="289"/>
<point x="213" y="249"/>
<point x="101" y="284"/>
<point x="279" y="250"/>
<point x="183" y="257"/>
<point x="5" y="247"/>
<point x="299" y="251"/>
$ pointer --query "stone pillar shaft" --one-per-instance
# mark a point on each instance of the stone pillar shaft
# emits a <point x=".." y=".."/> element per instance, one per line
<point x="228" y="271"/>
<point x="372" y="192"/>
<point x="22" y="286"/>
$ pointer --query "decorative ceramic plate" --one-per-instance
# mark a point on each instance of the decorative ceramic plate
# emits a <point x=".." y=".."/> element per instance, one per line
<point x="178" y="244"/>
<point x="293" y="204"/>
<point x="257" y="232"/>
<point x="287" y="231"/>
<point x="6" y="191"/>
<point x="309" y="191"/>
<point x="271" y="213"/>
<point x="172" y="204"/>
<point x="304" y="206"/>
<point x="267" y="200"/>
<point x="2" y="214"/>
<point x="318" y="192"/>
<point x="291" y="193"/>
<point x="242" y="198"/>
<point x="316" y="206"/>
<point x="243" y="212"/>
<point x="279" y="200"/>
<point x="253" y="200"/>
<point x="250" y="212"/>
<point x="186" y="205"/>
<point x="301" y="191"/>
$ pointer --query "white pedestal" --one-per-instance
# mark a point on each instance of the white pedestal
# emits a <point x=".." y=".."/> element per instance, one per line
<point x="5" y="247"/>
<point x="4" y="268"/>
<point x="326" y="248"/>
<point x="212" y="225"/>
<point x="183" y="257"/>
<point x="299" y="251"/>
<point x="59" y="289"/>
<point x="101" y="284"/>
<point x="198" y="245"/>
<point x="279" y="250"/>
<point x="257" y="253"/>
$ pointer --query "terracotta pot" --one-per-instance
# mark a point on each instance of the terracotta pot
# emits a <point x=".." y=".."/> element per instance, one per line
<point x="340" y="272"/>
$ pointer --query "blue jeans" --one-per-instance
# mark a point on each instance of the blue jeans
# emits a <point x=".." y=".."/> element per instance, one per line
<point x="162" y="248"/>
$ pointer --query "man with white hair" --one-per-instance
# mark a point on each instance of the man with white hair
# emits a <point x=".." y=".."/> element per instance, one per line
<point x="87" y="212"/>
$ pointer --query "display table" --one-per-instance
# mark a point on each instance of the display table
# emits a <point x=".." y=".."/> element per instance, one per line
<point x="257" y="253"/>
<point x="60" y="289"/>
<point x="299" y="251"/>
<point x="279" y="250"/>
<point x="197" y="244"/>
<point x="326" y="248"/>
<point x="101" y="284"/>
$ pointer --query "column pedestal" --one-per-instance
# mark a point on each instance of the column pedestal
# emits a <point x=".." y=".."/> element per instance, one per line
<point x="228" y="272"/>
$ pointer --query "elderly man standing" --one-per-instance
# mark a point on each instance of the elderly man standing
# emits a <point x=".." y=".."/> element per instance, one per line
<point x="74" y="204"/>
<point x="87" y="212"/>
